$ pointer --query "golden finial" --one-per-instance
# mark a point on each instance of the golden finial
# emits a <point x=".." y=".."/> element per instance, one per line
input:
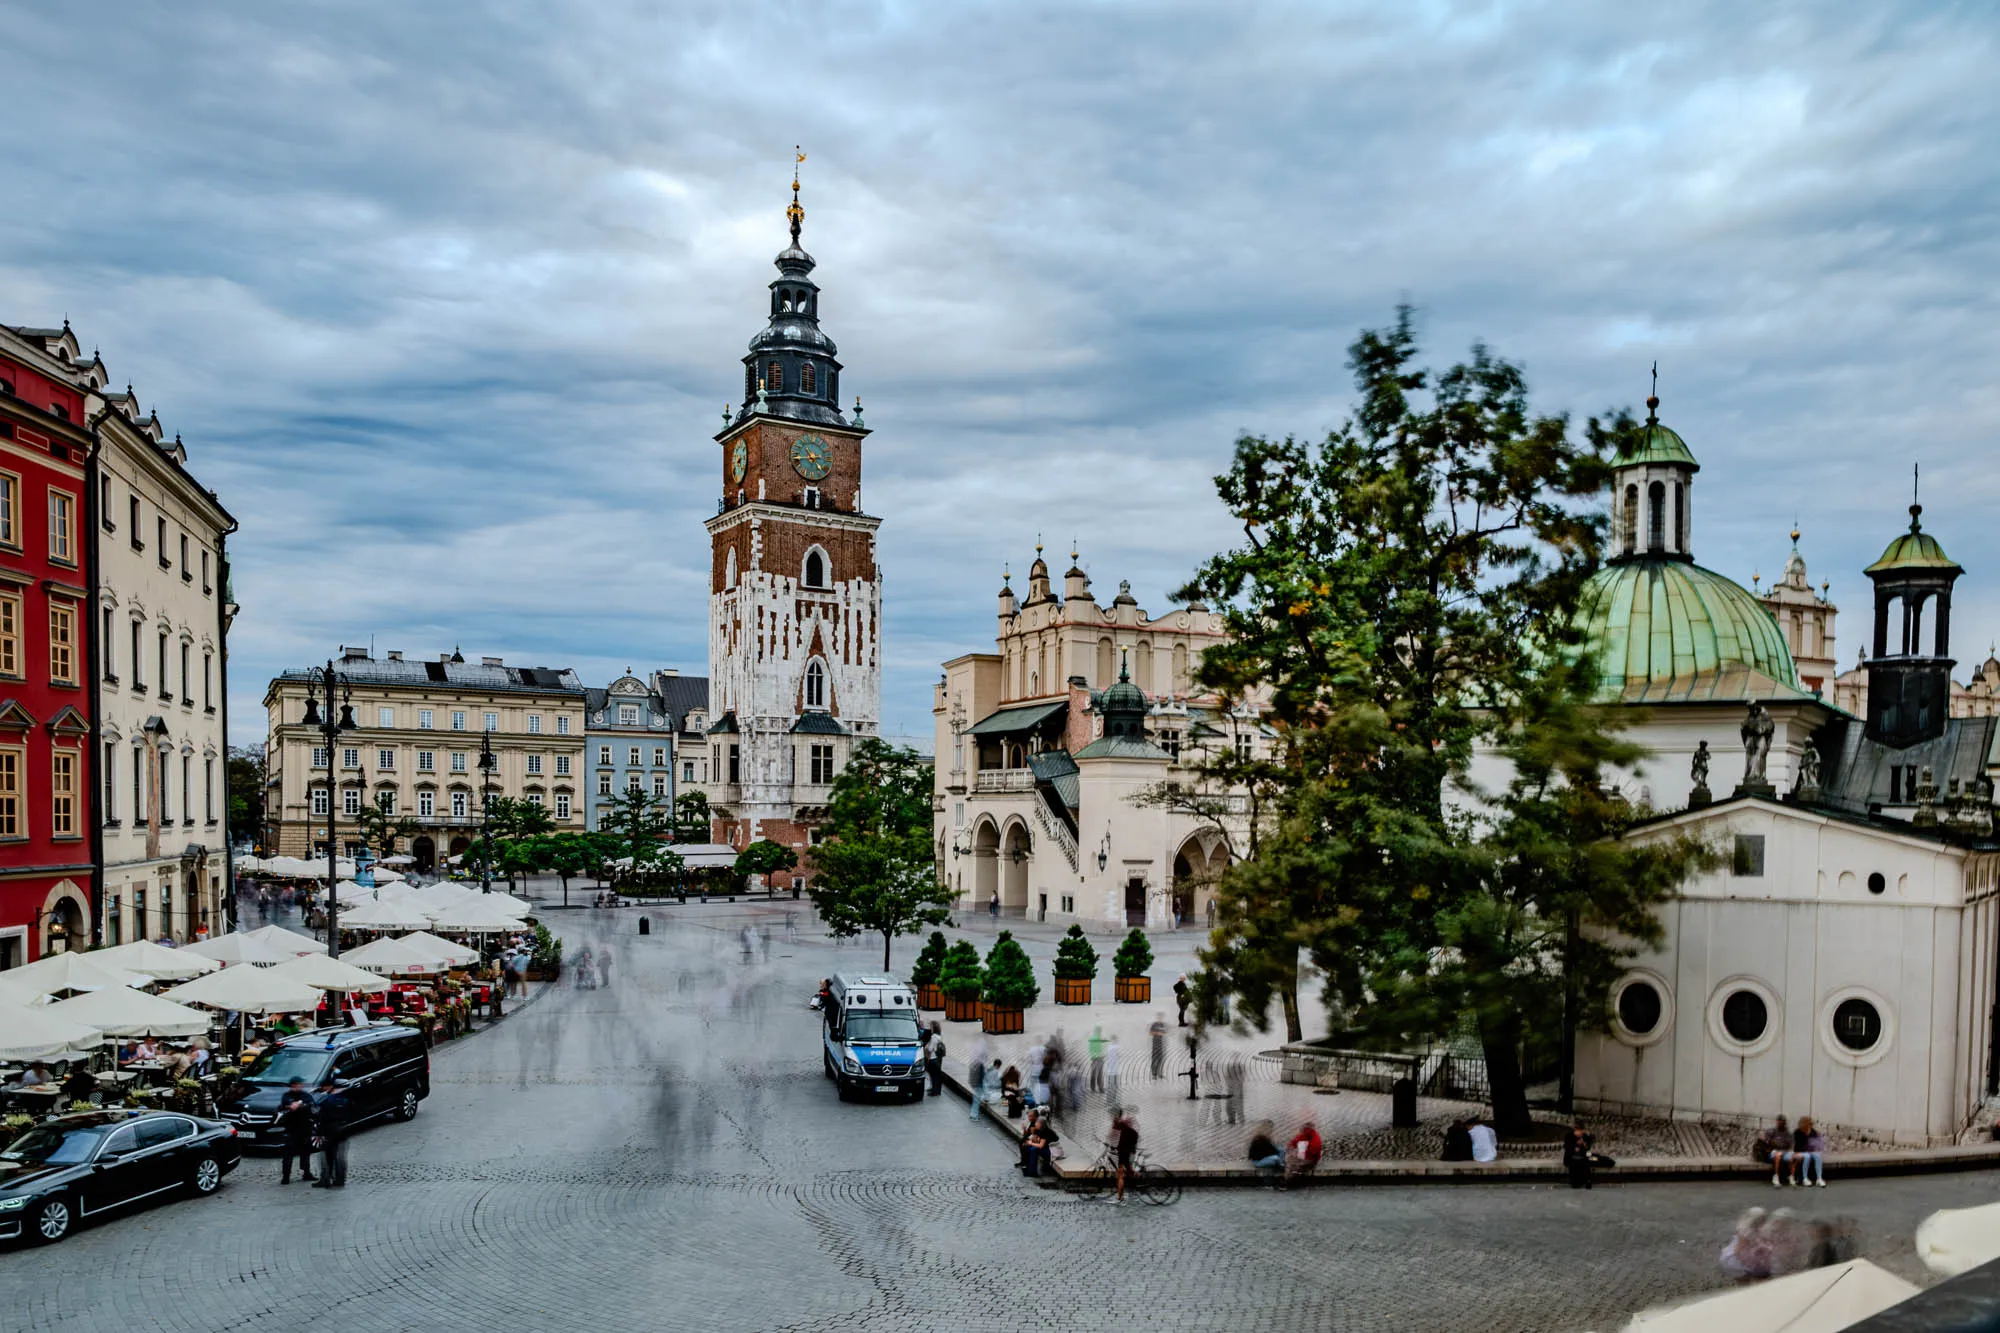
<point x="796" y="213"/>
<point x="1653" y="399"/>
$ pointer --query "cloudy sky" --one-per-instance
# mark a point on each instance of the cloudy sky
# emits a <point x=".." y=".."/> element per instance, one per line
<point x="446" y="299"/>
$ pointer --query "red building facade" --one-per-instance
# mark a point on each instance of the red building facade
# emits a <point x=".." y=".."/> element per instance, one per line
<point x="47" y="782"/>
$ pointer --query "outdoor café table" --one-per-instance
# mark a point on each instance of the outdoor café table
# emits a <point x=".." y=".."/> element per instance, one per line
<point x="39" y="1100"/>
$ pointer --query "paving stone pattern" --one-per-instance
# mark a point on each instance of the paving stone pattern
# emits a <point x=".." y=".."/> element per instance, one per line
<point x="664" y="1154"/>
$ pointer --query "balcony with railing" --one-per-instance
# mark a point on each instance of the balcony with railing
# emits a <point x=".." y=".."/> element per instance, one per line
<point x="1004" y="780"/>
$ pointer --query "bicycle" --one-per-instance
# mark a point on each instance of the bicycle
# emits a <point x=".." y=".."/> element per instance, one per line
<point x="1151" y="1182"/>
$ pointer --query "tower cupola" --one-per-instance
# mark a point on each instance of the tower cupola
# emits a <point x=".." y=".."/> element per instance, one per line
<point x="1652" y="491"/>
<point x="1909" y="671"/>
<point x="792" y="369"/>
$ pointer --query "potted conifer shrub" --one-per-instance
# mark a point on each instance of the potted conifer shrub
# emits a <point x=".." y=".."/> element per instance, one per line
<point x="961" y="979"/>
<point x="925" y="971"/>
<point x="1010" y="986"/>
<point x="1076" y="968"/>
<point x="1130" y="966"/>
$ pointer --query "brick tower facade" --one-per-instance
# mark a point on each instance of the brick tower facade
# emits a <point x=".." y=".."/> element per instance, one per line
<point x="795" y="593"/>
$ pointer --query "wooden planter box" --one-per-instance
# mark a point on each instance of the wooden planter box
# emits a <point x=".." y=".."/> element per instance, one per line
<point x="1002" y="1019"/>
<point x="961" y="1011"/>
<point x="1134" y="990"/>
<point x="930" y="997"/>
<point x="1072" y="990"/>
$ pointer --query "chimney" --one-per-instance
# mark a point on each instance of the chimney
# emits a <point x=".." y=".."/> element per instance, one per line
<point x="353" y="654"/>
<point x="490" y="661"/>
<point x="670" y="671"/>
<point x="395" y="654"/>
<point x="444" y="657"/>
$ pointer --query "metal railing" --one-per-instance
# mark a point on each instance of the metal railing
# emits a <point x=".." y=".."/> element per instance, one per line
<point x="1057" y="832"/>
<point x="1005" y="779"/>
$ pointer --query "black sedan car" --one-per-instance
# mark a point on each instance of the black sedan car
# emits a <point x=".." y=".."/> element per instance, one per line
<point x="88" y="1164"/>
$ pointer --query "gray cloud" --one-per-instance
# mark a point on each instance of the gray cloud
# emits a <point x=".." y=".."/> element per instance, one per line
<point x="446" y="300"/>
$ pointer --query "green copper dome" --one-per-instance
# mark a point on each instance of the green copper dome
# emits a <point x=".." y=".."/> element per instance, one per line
<point x="1915" y="549"/>
<point x="1658" y="444"/>
<point x="1651" y="622"/>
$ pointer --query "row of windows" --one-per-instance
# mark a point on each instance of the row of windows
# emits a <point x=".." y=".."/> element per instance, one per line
<point x="62" y="640"/>
<point x="136" y="533"/>
<point x="632" y="753"/>
<point x="1741" y="1016"/>
<point x="137" y="765"/>
<point x="461" y="802"/>
<point x="820" y="767"/>
<point x="385" y="760"/>
<point x="633" y="783"/>
<point x="14" y="813"/>
<point x="385" y="718"/>
<point x="62" y="519"/>
<point x="773" y="381"/>
<point x="135" y="657"/>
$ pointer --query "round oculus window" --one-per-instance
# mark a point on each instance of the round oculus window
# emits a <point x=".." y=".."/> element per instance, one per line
<point x="1640" y="1008"/>
<point x="1877" y="884"/>
<point x="1744" y="1016"/>
<point x="1857" y="1025"/>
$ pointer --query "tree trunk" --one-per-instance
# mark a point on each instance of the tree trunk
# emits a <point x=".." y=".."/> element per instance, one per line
<point x="887" y="938"/>
<point x="565" y="880"/>
<point x="1501" y="1041"/>
<point x="1288" y="997"/>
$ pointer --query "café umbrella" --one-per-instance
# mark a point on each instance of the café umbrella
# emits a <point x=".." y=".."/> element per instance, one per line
<point x="71" y="972"/>
<point x="389" y="914"/>
<point x="248" y="990"/>
<point x="33" y="1032"/>
<point x="119" y="1011"/>
<point x="235" y="949"/>
<point x="335" y="974"/>
<point x="152" y="959"/>
<point x="455" y="954"/>
<point x="393" y="957"/>
<point x="476" y="918"/>
<point x="286" y="941"/>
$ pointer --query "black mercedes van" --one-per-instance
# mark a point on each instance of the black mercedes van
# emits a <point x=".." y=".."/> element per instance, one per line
<point x="385" y="1070"/>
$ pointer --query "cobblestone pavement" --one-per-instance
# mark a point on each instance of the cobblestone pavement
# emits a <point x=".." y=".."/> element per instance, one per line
<point x="664" y="1154"/>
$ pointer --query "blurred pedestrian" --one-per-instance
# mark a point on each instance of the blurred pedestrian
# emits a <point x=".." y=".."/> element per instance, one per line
<point x="1181" y="998"/>
<point x="1158" y="1032"/>
<point x="604" y="968"/>
<point x="1111" y="1066"/>
<point x="295" y="1119"/>
<point x="934" y="1059"/>
<point x="1096" y="1046"/>
<point x="975" y="1084"/>
<point x="993" y="908"/>
<point x="1746" y="1256"/>
<point x="1236" y="1075"/>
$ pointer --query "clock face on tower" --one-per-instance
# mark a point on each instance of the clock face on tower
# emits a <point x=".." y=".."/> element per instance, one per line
<point x="739" y="460"/>
<point x="811" y="458"/>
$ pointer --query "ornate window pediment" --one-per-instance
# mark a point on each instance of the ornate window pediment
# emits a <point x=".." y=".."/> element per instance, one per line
<point x="13" y="717"/>
<point x="69" y="722"/>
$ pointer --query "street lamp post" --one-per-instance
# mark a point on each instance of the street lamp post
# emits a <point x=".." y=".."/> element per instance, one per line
<point x="486" y="765"/>
<point x="330" y="723"/>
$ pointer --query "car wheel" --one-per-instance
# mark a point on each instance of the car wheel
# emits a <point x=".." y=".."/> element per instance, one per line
<point x="846" y="1092"/>
<point x="406" y="1110"/>
<point x="52" y="1220"/>
<point x="207" y="1177"/>
<point x="826" y="1063"/>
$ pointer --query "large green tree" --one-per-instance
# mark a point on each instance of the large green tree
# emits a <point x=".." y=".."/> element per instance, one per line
<point x="639" y="824"/>
<point x="875" y="872"/>
<point x="692" y="820"/>
<point x="246" y="774"/>
<point x="1403" y="597"/>
<point x="765" y="858"/>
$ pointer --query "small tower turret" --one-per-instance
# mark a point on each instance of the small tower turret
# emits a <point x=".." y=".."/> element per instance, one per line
<point x="1909" y="672"/>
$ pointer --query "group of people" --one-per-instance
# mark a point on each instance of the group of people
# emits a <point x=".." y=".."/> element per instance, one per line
<point x="1300" y="1157"/>
<point x="592" y="970"/>
<point x="314" y="1123"/>
<point x="1471" y="1139"/>
<point x="1795" y="1156"/>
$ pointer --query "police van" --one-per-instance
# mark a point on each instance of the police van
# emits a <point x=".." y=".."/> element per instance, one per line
<point x="871" y="1043"/>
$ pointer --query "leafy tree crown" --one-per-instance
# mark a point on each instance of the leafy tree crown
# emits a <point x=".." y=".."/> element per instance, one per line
<point x="961" y="975"/>
<point x="1010" y="977"/>
<point x="930" y="963"/>
<point x="1134" y="957"/>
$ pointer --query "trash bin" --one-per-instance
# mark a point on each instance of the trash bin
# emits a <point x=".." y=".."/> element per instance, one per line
<point x="1403" y="1103"/>
<point x="645" y="925"/>
<point x="795" y="891"/>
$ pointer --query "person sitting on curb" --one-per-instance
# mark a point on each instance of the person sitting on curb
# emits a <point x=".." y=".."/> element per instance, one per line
<point x="1010" y="1091"/>
<point x="1265" y="1155"/>
<point x="1774" y="1145"/>
<point x="1038" y="1141"/>
<point x="1302" y="1157"/>
<point x="1485" y="1143"/>
<point x="1808" y="1156"/>
<point x="1457" y="1143"/>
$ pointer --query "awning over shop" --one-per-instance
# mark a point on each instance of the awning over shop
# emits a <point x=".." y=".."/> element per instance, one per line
<point x="1023" y="717"/>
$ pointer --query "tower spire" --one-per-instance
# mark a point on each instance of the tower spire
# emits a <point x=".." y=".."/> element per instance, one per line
<point x="1653" y="398"/>
<point x="795" y="212"/>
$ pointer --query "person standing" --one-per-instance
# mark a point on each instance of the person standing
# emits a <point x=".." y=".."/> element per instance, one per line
<point x="295" y="1118"/>
<point x="975" y="1083"/>
<point x="330" y="1128"/>
<point x="934" y="1059"/>
<point x="604" y="968"/>
<point x="993" y="908"/>
<point x="1181" y="998"/>
<point x="1111" y="1063"/>
<point x="1158" y="1032"/>
<point x="1124" y="1145"/>
<point x="1096" y="1046"/>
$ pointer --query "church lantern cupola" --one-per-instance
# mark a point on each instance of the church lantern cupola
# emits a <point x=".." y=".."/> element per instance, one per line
<point x="1652" y="493"/>
<point x="792" y="369"/>
<point x="1909" y="671"/>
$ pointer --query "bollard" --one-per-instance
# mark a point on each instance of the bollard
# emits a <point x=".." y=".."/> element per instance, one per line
<point x="645" y="925"/>
<point x="1403" y="1103"/>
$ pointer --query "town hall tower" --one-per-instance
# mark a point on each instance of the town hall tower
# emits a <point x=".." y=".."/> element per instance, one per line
<point x="795" y="593"/>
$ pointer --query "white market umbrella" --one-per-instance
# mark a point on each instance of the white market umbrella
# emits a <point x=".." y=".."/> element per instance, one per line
<point x="351" y="892"/>
<point x="249" y="865"/>
<point x="391" y="914"/>
<point x="1954" y="1240"/>
<point x="443" y="894"/>
<point x="383" y="876"/>
<point x="330" y="974"/>
<point x="235" y="949"/>
<point x="72" y="971"/>
<point x="248" y="990"/>
<point x="392" y="957"/>
<point x="152" y="959"/>
<point x="286" y="941"/>
<point x="455" y="954"/>
<point x="36" y="1033"/>
<point x="476" y="918"/>
<point x="518" y="906"/>
<point x="1820" y="1300"/>
<point x="123" y="1012"/>
<point x="400" y="859"/>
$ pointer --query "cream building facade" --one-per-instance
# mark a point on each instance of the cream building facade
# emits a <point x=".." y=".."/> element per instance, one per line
<point x="164" y="611"/>
<point x="415" y="750"/>
<point x="1051" y="750"/>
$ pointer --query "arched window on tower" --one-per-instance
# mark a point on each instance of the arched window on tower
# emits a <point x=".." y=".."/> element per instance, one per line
<point x="815" y="569"/>
<point x="1631" y="521"/>
<point x="1656" y="516"/>
<point x="729" y="570"/>
<point x="808" y="379"/>
<point x="815" y="684"/>
<point x="774" y="378"/>
<point x="749" y="384"/>
<point x="1680" y="519"/>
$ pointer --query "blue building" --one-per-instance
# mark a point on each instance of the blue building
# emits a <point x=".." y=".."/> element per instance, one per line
<point x="631" y="730"/>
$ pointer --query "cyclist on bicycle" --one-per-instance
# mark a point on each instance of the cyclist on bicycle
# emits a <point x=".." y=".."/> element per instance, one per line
<point x="1124" y="1143"/>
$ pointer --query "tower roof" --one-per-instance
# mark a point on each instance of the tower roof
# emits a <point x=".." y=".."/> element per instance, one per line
<point x="1914" y="550"/>
<point x="791" y="369"/>
<point x="1657" y="443"/>
<point x="1652" y="622"/>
